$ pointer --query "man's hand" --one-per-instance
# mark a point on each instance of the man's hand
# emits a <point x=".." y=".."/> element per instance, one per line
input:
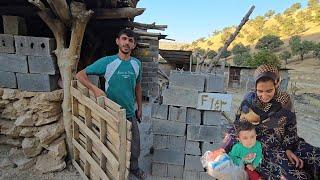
<point x="98" y="92"/>
<point x="139" y="115"/>
<point x="250" y="167"/>
<point x="294" y="159"/>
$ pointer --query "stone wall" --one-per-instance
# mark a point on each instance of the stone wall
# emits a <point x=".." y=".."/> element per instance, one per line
<point x="182" y="133"/>
<point x="31" y="122"/>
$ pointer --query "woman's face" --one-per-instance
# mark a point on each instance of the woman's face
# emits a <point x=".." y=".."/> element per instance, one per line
<point x="266" y="91"/>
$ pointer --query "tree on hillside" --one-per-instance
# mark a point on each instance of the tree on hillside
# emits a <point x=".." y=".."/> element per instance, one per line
<point x="239" y="49"/>
<point x="200" y="50"/>
<point x="263" y="57"/>
<point x="288" y="26"/>
<point x="242" y="59"/>
<point x="225" y="53"/>
<point x="294" y="7"/>
<point x="313" y="4"/>
<point x="258" y="23"/>
<point x="270" y="13"/>
<point x="299" y="47"/>
<point x="211" y="54"/>
<point x="316" y="51"/>
<point x="269" y="43"/>
<point x="285" y="55"/>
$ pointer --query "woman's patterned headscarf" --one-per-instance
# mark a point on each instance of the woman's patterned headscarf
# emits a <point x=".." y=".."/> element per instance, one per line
<point x="267" y="70"/>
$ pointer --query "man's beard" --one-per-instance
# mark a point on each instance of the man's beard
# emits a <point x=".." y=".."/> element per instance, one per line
<point x="125" y="52"/>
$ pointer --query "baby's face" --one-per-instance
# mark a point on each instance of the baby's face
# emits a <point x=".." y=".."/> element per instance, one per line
<point x="247" y="138"/>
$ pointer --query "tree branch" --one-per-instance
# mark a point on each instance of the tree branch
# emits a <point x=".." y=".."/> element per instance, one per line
<point x="38" y="4"/>
<point x="230" y="39"/>
<point x="61" y="9"/>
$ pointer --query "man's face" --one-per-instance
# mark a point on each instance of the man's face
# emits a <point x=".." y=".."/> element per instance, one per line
<point x="247" y="138"/>
<point x="126" y="44"/>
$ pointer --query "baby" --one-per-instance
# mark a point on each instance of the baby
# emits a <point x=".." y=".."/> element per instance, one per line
<point x="248" y="151"/>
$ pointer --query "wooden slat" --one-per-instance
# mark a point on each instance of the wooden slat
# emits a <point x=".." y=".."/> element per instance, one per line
<point x="93" y="106"/>
<point x="123" y="144"/>
<point x="77" y="166"/>
<point x="97" y="141"/>
<point x="90" y="159"/>
<point x="88" y="122"/>
<point x="103" y="133"/>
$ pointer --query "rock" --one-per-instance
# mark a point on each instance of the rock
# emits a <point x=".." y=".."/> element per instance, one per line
<point x="25" y="120"/>
<point x="9" y="128"/>
<point x="52" y="96"/>
<point x="47" y="163"/>
<point x="43" y="121"/>
<point x="48" y="133"/>
<point x="45" y="108"/>
<point x="10" y="141"/>
<point x="17" y="157"/>
<point x="1" y="92"/>
<point x="3" y="103"/>
<point x="10" y="94"/>
<point x="21" y="105"/>
<point x="31" y="147"/>
<point x="6" y="163"/>
<point x="58" y="148"/>
<point x="9" y="112"/>
<point x="27" y="94"/>
<point x="28" y="131"/>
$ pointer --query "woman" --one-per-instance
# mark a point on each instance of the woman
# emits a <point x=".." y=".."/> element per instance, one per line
<point x="285" y="155"/>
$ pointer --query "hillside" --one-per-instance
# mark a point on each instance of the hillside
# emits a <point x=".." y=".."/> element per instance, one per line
<point x="293" y="21"/>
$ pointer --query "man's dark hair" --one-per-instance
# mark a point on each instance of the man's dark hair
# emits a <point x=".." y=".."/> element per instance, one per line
<point x="244" y="126"/>
<point x="129" y="33"/>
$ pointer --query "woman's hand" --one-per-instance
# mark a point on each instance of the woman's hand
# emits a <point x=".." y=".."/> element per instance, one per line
<point x="250" y="167"/>
<point x="294" y="159"/>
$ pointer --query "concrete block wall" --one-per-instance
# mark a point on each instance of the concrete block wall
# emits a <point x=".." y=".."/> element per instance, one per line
<point x="176" y="123"/>
<point x="27" y="63"/>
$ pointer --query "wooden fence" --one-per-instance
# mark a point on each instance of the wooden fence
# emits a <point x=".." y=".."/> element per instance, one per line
<point x="101" y="136"/>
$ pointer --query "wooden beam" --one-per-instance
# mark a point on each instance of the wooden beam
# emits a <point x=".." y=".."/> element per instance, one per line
<point x="117" y="13"/>
<point x="38" y="3"/>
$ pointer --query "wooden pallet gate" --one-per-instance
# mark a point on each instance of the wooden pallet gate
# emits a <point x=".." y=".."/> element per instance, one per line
<point x="101" y="136"/>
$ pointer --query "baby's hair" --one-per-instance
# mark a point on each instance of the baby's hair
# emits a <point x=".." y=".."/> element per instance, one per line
<point x="244" y="126"/>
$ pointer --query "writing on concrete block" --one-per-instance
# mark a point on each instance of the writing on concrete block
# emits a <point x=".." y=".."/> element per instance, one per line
<point x="214" y="101"/>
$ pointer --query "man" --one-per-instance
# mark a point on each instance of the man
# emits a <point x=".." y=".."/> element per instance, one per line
<point x="123" y="85"/>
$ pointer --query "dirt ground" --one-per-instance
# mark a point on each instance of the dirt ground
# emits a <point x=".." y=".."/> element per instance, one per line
<point x="305" y="85"/>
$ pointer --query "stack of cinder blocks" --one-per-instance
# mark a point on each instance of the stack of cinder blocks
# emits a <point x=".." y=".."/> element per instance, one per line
<point x="182" y="133"/>
<point x="149" y="81"/>
<point x="27" y="63"/>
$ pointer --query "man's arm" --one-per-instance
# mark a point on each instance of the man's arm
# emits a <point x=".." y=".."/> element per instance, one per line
<point x="138" y="92"/>
<point x="83" y="78"/>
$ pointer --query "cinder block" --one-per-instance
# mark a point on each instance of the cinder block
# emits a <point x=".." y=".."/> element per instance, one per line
<point x="187" y="80"/>
<point x="168" y="157"/>
<point x="204" y="133"/>
<point x="214" y="83"/>
<point x="13" y="63"/>
<point x="206" y="146"/>
<point x="6" y="43"/>
<point x="43" y="64"/>
<point x="191" y="175"/>
<point x="176" y="143"/>
<point x="177" y="114"/>
<point x="159" y="169"/>
<point x="193" y="116"/>
<point x="192" y="148"/>
<point x="212" y="118"/>
<point x="35" y="46"/>
<point x="175" y="171"/>
<point x="37" y="82"/>
<point x="172" y="128"/>
<point x="205" y="176"/>
<point x="160" y="141"/>
<point x="180" y="97"/>
<point x="193" y="163"/>
<point x="159" y="111"/>
<point x="14" y="25"/>
<point x="8" y="80"/>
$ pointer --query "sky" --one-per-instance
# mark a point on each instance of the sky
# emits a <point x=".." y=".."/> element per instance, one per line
<point x="192" y="19"/>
